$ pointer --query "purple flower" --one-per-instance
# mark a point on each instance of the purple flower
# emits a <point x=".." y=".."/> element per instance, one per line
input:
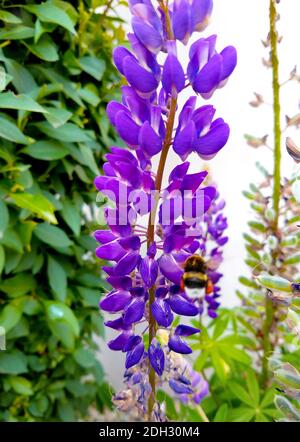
<point x="208" y="70"/>
<point x="153" y="229"/>
<point x="157" y="358"/>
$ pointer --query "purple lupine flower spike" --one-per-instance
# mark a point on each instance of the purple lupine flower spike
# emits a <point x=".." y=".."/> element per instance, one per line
<point x="153" y="230"/>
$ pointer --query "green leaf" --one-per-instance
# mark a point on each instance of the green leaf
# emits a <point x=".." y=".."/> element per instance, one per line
<point x="22" y="79"/>
<point x="89" y="159"/>
<point x="57" y="311"/>
<point x="4" y="217"/>
<point x="84" y="357"/>
<point x="221" y="414"/>
<point x="37" y="204"/>
<point x="13" y="362"/>
<point x="241" y="394"/>
<point x="234" y="353"/>
<point x="63" y="322"/>
<point x="2" y="258"/>
<point x="268" y="398"/>
<point x="242" y="415"/>
<point x="39" y="406"/>
<point x="67" y="87"/>
<point x="52" y="235"/>
<point x="66" y="411"/>
<point x="253" y="386"/>
<point x="90" y="296"/>
<point x="52" y="12"/>
<point x="10" y="316"/>
<point x="69" y="132"/>
<point x="8" y="17"/>
<point x="57" y="117"/>
<point x="18" y="285"/>
<point x="44" y="49"/>
<point x="57" y="279"/>
<point x="47" y="150"/>
<point x="9" y="100"/>
<point x="93" y="66"/>
<point x="71" y="215"/>
<point x="21" y="385"/>
<point x="12" y="240"/>
<point x="20" y="32"/>
<point x="11" y="132"/>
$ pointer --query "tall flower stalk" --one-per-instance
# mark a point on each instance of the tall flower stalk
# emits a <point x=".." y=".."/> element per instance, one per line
<point x="153" y="230"/>
<point x="270" y="248"/>
<point x="276" y="174"/>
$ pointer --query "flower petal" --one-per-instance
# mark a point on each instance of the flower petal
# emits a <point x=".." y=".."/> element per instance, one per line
<point x="115" y="301"/>
<point x="179" y="346"/>
<point x="134" y="311"/>
<point x="182" y="306"/>
<point x="141" y="79"/>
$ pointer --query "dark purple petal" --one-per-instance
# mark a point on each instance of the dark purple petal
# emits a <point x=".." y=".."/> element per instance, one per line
<point x="117" y="324"/>
<point x="130" y="243"/>
<point x="127" y="128"/>
<point x="209" y="76"/>
<point x="133" y="341"/>
<point x="134" y="311"/>
<point x="141" y="79"/>
<point x="115" y="301"/>
<point x="162" y="312"/>
<point x="179" y="172"/>
<point x="120" y="282"/>
<point x="182" y="21"/>
<point x="182" y="306"/>
<point x="229" y="56"/>
<point x="184" y="140"/>
<point x="186" y="330"/>
<point x="104" y="236"/>
<point x="127" y="264"/>
<point x="149" y="141"/>
<point x="119" y="55"/>
<point x="113" y="108"/>
<point x="173" y="75"/>
<point x="149" y="271"/>
<point x="179" y="346"/>
<point x="209" y="145"/>
<point x="111" y="251"/>
<point x="134" y="356"/>
<point x="170" y="268"/>
<point x="193" y="181"/>
<point x="119" y="342"/>
<point x="157" y="358"/>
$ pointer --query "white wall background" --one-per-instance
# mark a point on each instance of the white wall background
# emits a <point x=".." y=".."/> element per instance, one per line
<point x="242" y="23"/>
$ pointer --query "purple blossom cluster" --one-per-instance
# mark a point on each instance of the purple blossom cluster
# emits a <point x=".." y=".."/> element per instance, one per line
<point x="189" y="386"/>
<point x="147" y="258"/>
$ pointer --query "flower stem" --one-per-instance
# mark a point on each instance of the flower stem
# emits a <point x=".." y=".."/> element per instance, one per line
<point x="269" y="313"/>
<point x="151" y="224"/>
<point x="202" y="413"/>
<point x="276" y="109"/>
<point x="150" y="236"/>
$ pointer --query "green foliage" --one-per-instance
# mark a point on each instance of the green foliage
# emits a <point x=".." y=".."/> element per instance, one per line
<point x="56" y="79"/>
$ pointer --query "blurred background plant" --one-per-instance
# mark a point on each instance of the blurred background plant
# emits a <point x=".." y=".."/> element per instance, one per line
<point x="235" y="349"/>
<point x="56" y="77"/>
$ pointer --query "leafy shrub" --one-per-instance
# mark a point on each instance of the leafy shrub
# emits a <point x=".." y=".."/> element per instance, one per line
<point x="56" y="78"/>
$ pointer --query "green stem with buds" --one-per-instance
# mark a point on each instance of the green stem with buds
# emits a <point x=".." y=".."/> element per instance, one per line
<point x="269" y="312"/>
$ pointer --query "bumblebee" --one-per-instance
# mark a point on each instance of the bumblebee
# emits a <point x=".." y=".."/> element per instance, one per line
<point x="195" y="275"/>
